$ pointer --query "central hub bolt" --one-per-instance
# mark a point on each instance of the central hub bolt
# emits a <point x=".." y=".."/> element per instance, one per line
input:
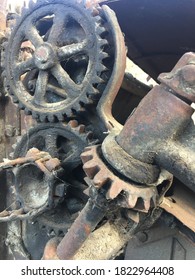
<point x="42" y="54"/>
<point x="45" y="56"/>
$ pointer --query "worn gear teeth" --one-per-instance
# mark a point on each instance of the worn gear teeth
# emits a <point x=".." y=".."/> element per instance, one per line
<point x="86" y="155"/>
<point x="98" y="19"/>
<point x="51" y="118"/>
<point x="102" y="68"/>
<point x="103" y="55"/>
<point x="103" y="43"/>
<point x="98" y="80"/>
<point x="81" y="128"/>
<point x="101" y="30"/>
<point x="92" y="90"/>
<point x="99" y="173"/>
<point x="73" y="123"/>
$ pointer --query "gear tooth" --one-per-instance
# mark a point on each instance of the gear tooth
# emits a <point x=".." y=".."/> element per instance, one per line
<point x="90" y="135"/>
<point x="42" y="118"/>
<point x="98" y="80"/>
<point x="100" y="179"/>
<point x="103" y="55"/>
<point x="146" y="204"/>
<point x="114" y="190"/>
<point x="100" y="30"/>
<point x="90" y="168"/>
<point x="101" y="68"/>
<point x="104" y="42"/>
<point x="98" y="19"/>
<point x="23" y="10"/>
<point x="73" y="123"/>
<point x="86" y="155"/>
<point x="81" y="128"/>
<point x="60" y="117"/>
<point x="51" y="118"/>
<point x="31" y="4"/>
<point x="132" y="200"/>
<point x="92" y="90"/>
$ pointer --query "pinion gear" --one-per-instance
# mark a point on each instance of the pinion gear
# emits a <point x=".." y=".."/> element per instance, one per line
<point x="66" y="69"/>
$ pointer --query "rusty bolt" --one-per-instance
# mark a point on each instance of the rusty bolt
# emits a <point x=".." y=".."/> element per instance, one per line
<point x="10" y="130"/>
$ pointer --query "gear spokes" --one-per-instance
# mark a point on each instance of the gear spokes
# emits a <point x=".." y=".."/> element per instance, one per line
<point x="65" y="66"/>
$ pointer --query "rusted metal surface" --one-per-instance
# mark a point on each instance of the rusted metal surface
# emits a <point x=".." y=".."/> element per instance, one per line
<point x="33" y="155"/>
<point x="104" y="107"/>
<point x="160" y="111"/>
<point x="101" y="175"/>
<point x="157" y="123"/>
<point x="86" y="222"/>
<point x="181" y="205"/>
<point x="181" y="79"/>
<point x="126" y="170"/>
<point x="125" y="164"/>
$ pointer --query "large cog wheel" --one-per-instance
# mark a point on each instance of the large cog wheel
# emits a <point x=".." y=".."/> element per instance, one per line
<point x="66" y="69"/>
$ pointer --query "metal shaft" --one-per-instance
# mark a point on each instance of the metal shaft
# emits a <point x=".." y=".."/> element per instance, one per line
<point x="86" y="222"/>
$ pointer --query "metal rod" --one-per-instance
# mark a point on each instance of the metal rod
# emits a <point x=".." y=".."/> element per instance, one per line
<point x="86" y="222"/>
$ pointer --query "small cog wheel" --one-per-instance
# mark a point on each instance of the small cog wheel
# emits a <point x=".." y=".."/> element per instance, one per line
<point x="63" y="141"/>
<point x="65" y="68"/>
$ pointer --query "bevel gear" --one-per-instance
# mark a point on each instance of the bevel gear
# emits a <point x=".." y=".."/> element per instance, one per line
<point x="67" y="69"/>
<point x="129" y="194"/>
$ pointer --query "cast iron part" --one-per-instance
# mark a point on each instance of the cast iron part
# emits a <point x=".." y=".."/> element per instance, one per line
<point x="65" y="35"/>
<point x="152" y="134"/>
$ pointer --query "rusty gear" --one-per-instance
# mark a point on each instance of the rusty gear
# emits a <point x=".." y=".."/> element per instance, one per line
<point x="64" y="141"/>
<point x="100" y="175"/>
<point x="65" y="35"/>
